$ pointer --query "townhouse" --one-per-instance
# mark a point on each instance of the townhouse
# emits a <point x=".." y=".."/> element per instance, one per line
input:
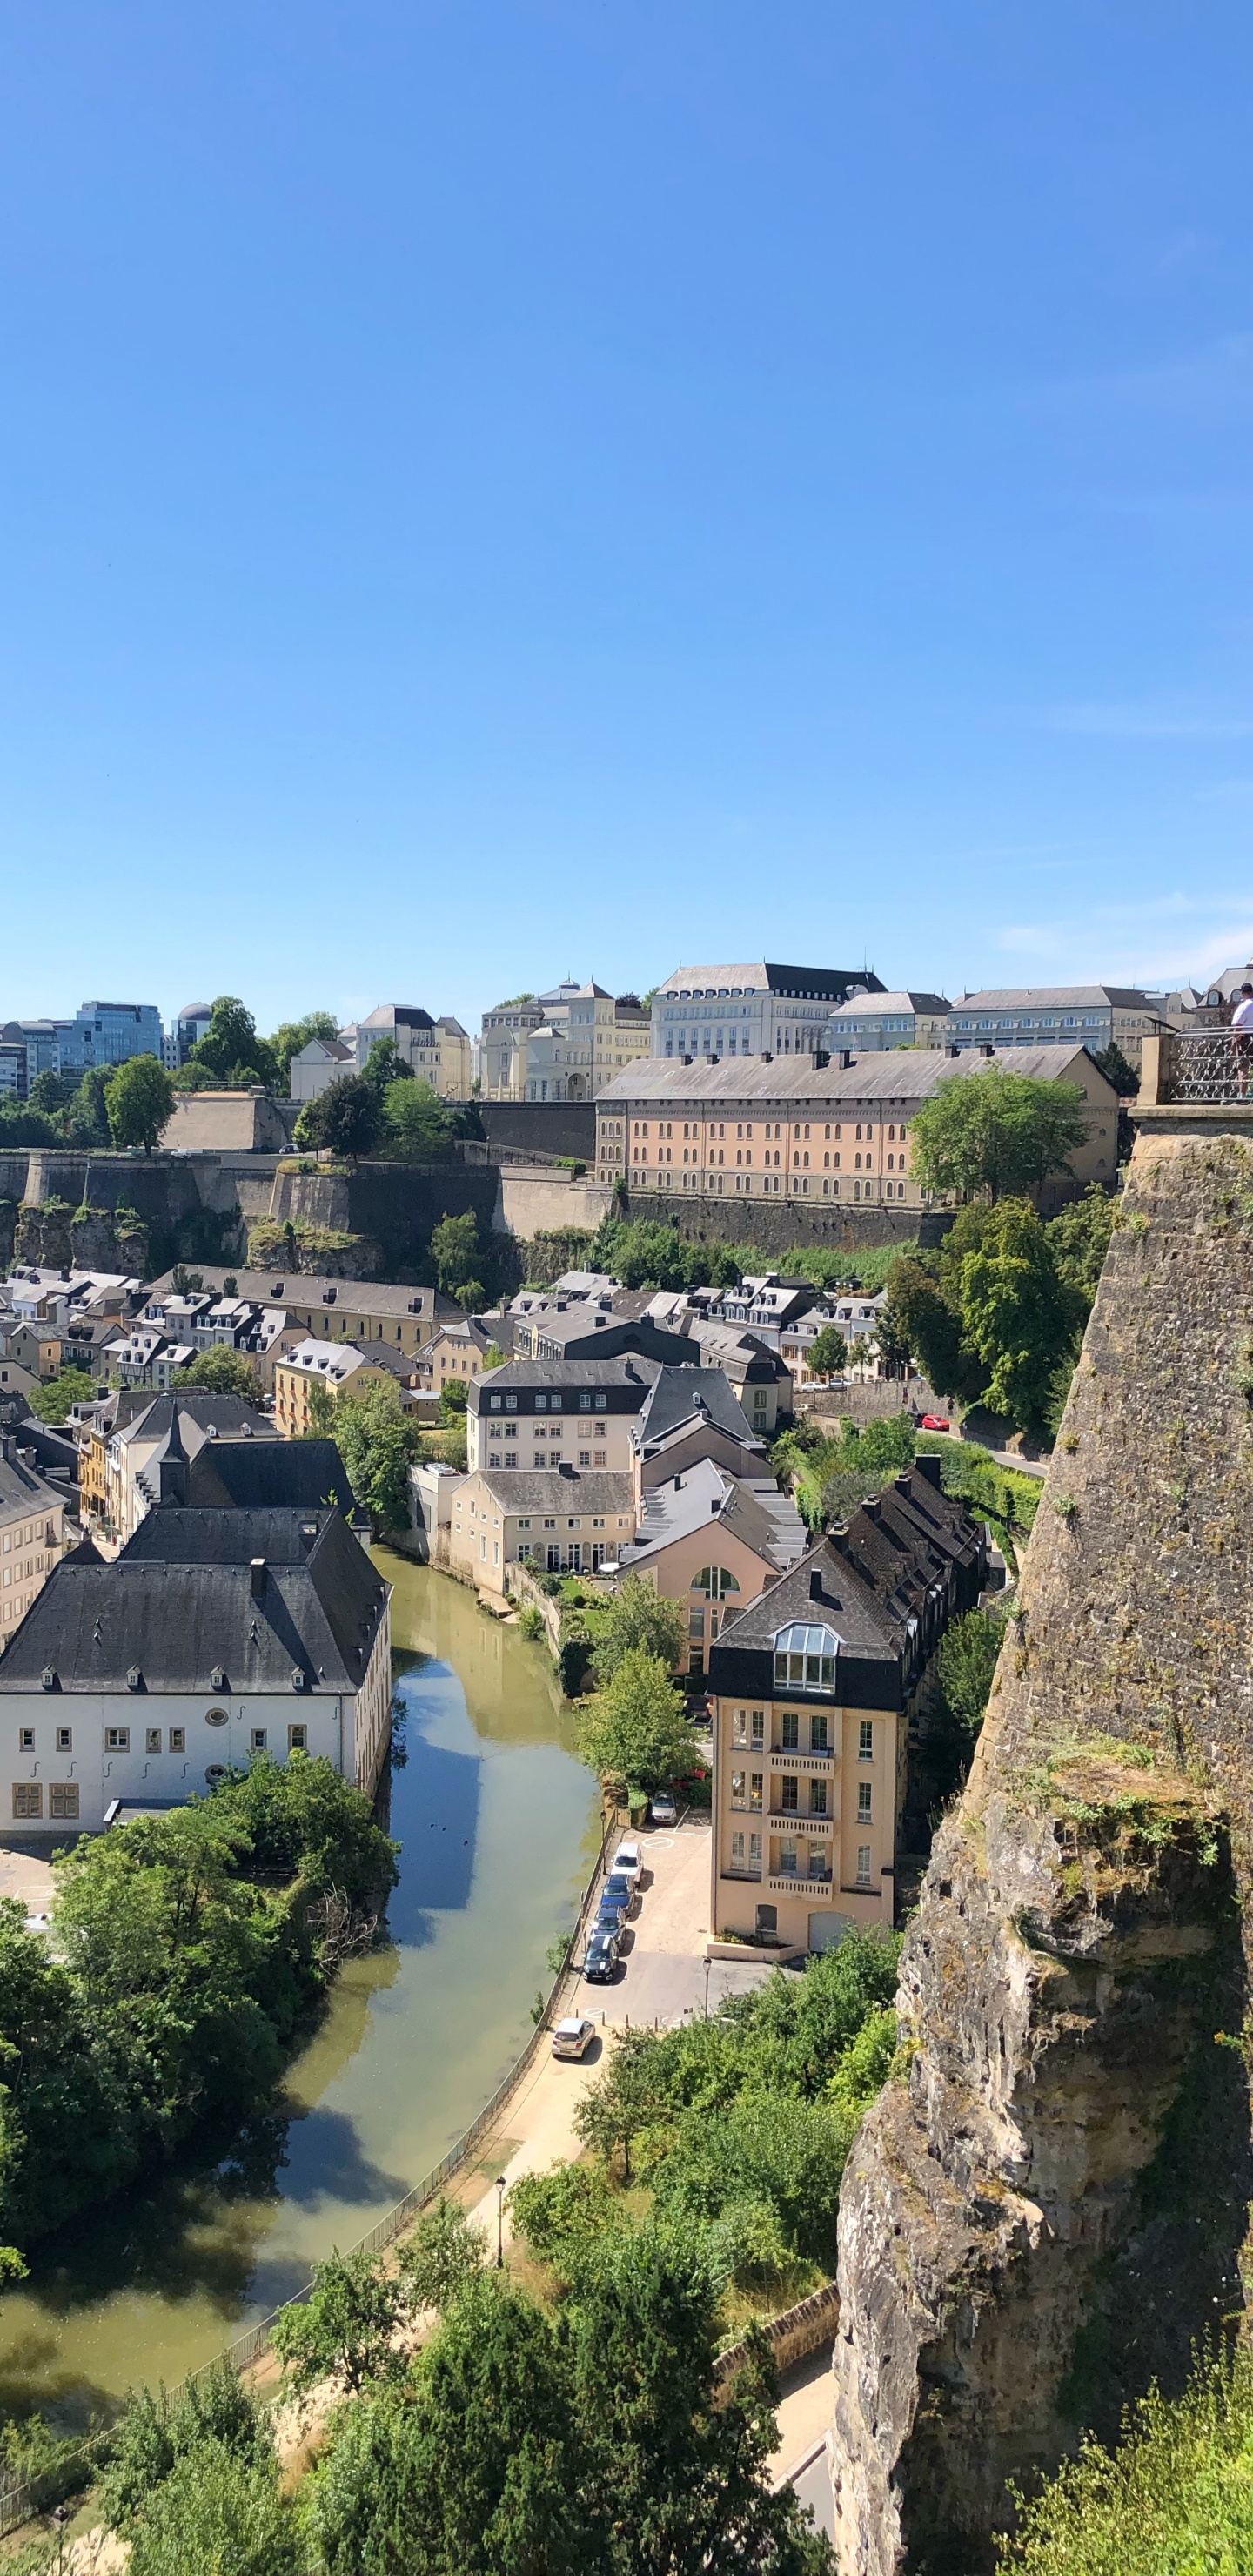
<point x="536" y="1414"/>
<point x="857" y="1317"/>
<point x="458" y="1348"/>
<point x="336" y="1367"/>
<point x="819" y="1130"/>
<point x="32" y="1532"/>
<point x="711" y="1541"/>
<point x="349" y="1310"/>
<point x="567" y="1520"/>
<point x="815" y="1688"/>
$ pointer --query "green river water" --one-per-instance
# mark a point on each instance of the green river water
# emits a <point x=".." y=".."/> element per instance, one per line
<point x="498" y="1826"/>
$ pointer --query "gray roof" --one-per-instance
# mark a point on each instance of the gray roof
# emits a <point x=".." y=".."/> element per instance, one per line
<point x="629" y="1368"/>
<point x="292" y="1288"/>
<point x="22" y="1489"/>
<point x="897" y="1078"/>
<point x="897" y="1547"/>
<point x="227" y="1416"/>
<point x="682" y="1396"/>
<point x="550" y="1489"/>
<point x="821" y="983"/>
<point x="1056" y="997"/>
<point x="705" y="1497"/>
<point x="178" y="1606"/>
<point x="866" y="1005"/>
<point x="296" y="1475"/>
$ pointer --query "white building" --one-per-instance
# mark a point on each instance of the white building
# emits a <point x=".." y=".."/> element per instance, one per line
<point x="217" y="1635"/>
<point x="750" y="1010"/>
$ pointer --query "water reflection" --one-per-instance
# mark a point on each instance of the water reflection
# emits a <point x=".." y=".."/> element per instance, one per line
<point x="497" y="1827"/>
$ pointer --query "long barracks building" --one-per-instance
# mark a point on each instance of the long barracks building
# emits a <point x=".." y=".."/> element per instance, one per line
<point x="753" y="1127"/>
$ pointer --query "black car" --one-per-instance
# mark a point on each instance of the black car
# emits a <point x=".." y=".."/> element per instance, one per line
<point x="619" y="1887"/>
<point x="601" y="1957"/>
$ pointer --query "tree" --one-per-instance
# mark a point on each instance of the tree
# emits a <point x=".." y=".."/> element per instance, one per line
<point x="965" y="1665"/>
<point x="378" y="1442"/>
<point x="828" y="1355"/>
<point x="294" y="1035"/>
<point x="1014" y="1316"/>
<point x="346" y="2328"/>
<point x="218" y="2515"/>
<point x="230" y="1050"/>
<point x="87" y="1118"/>
<point x="226" y="1371"/>
<point x="51" y="1092"/>
<point x="52" y="1401"/>
<point x="22" y="1125"/>
<point x="1079" y="1242"/>
<point x="455" y="1252"/>
<point x="493" y="1358"/>
<point x="420" y="1127"/>
<point x="139" y="1098"/>
<point x="996" y="1133"/>
<point x="347" y="1118"/>
<point x="442" y="2255"/>
<point x="385" y="1065"/>
<point x="1114" y="1065"/>
<point x="639" y="1620"/>
<point x="637" y="1730"/>
<point x="452" y="1399"/>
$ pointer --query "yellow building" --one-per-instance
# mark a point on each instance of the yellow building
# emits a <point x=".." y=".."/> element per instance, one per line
<point x="751" y="1127"/>
<point x="337" y="1367"/>
<point x="32" y="1523"/>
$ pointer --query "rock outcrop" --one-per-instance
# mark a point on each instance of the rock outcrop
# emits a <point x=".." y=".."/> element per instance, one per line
<point x="1048" y="2208"/>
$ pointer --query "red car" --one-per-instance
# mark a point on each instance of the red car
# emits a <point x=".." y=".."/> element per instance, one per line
<point x="935" y="1422"/>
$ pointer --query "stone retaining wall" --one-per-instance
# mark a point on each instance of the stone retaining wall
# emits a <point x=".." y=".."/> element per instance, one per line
<point x="791" y="2336"/>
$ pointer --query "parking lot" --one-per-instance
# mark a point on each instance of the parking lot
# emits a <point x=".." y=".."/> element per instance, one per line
<point x="662" y="1971"/>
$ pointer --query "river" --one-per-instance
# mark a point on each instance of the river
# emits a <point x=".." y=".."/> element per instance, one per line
<point x="497" y="1823"/>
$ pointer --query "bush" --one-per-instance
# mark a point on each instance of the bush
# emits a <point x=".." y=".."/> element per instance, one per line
<point x="1175" y="2500"/>
<point x="531" y="1623"/>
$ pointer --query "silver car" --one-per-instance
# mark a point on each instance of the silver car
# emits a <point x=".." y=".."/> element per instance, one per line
<point x="664" y="1810"/>
<point x="573" y="2036"/>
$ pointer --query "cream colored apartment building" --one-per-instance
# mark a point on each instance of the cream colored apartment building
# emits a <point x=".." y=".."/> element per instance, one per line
<point x="563" y="1045"/>
<point x="755" y="1128"/>
<point x="32" y="1522"/>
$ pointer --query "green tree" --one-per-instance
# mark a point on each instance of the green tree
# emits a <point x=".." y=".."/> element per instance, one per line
<point x="226" y="1371"/>
<point x="1014" y="1316"/>
<point x="1175" y="2499"/>
<point x="828" y="1356"/>
<point x="455" y="1252"/>
<point x="453" y="1399"/>
<point x="52" y="1400"/>
<point x="965" y="1665"/>
<point x="87" y="1118"/>
<point x="420" y="1127"/>
<point x="346" y="1118"/>
<point x="638" y="1620"/>
<point x="493" y="1358"/>
<point x="1111" y="1061"/>
<point x="378" y="1442"/>
<point x="21" y="1125"/>
<point x="230" y="1050"/>
<point x="158" y="2430"/>
<point x="139" y="1098"/>
<point x="346" y="2328"/>
<point x="385" y="1065"/>
<point x="1079" y="1242"/>
<point x="302" y="1819"/>
<point x="218" y="2515"/>
<point x="294" y="1035"/>
<point x="996" y="1134"/>
<point x="636" y="1730"/>
<point x="51" y="1092"/>
<point x="441" y="2256"/>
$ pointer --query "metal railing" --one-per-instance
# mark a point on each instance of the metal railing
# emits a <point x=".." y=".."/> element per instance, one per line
<point x="18" y="2503"/>
<point x="1207" y="1068"/>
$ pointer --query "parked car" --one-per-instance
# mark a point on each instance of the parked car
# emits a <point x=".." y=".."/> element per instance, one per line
<point x="627" y="1863"/>
<point x="573" y="2036"/>
<point x="935" y="1422"/>
<point x="601" y="1957"/>
<point x="664" y="1810"/>
<point x="619" y="1885"/>
<point x="611" y="1915"/>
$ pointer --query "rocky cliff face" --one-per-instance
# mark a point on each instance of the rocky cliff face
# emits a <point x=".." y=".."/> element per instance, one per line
<point x="1050" y="2206"/>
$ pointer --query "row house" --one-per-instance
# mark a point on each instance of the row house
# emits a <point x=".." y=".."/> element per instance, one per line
<point x="350" y="1310"/>
<point x="338" y="1368"/>
<point x="815" y="1687"/>
<point x="824" y="1130"/>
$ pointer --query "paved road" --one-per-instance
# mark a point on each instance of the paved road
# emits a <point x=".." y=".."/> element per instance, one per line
<point x="661" y="1973"/>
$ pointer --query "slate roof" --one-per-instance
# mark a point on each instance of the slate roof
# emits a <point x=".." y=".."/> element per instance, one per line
<point x="306" y="1291"/>
<point x="806" y="982"/>
<point x="22" y="1489"/>
<point x="297" y="1475"/>
<point x="178" y="1605"/>
<point x="706" y="1498"/>
<point x="901" y="1076"/>
<point x="225" y="1417"/>
<point x="897" y="1549"/>
<point x="683" y="1396"/>
<point x="550" y="1489"/>
<point x="628" y="1369"/>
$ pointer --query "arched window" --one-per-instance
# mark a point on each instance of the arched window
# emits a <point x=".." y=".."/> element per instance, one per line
<point x="804" y="1658"/>
<point x="716" y="1581"/>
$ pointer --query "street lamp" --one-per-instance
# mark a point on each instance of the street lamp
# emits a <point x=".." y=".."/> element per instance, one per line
<point x="61" y="2515"/>
<point x="500" y="2222"/>
<point x="708" y="1965"/>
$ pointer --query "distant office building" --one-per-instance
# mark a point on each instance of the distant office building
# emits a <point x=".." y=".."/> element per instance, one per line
<point x="1032" y="1015"/>
<point x="109" y="1033"/>
<point x="12" y="1070"/>
<point x="32" y="1047"/>
<point x="870" y="1022"/>
<point x="751" y="1010"/>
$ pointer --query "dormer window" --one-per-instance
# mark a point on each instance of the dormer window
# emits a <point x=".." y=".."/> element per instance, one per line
<point x="804" y="1658"/>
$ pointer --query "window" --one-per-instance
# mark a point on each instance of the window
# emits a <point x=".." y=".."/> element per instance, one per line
<point x="585" y="1457"/>
<point x="789" y="1731"/>
<point x="787" y="1860"/>
<point x="863" y="1865"/>
<point x="818" y="1742"/>
<point x="216" y="1716"/>
<point x="738" y="1795"/>
<point x="152" y="1739"/>
<point x="178" y="1739"/>
<point x="865" y="1801"/>
<point x="26" y="1739"/>
<point x="716" y="1581"/>
<point x="865" y="1740"/>
<point x="759" y="1729"/>
<point x="754" y="1855"/>
<point x="117" y="1739"/>
<point x="754" y="1791"/>
<point x="65" y="1740"/>
<point x="63" y="1801"/>
<point x="817" y="1797"/>
<point x="788" y="1797"/>
<point x="818" y="1861"/>
<point x="737" y="1851"/>
<point x="804" y="1658"/>
<point x="696" y="1625"/>
<point x="297" y="1739"/>
<point x="257" y="1739"/>
<point x="28" y="1800"/>
<point x="739" y="1726"/>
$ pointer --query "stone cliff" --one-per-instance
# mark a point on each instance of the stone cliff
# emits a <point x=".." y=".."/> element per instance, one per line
<point x="1049" y="2207"/>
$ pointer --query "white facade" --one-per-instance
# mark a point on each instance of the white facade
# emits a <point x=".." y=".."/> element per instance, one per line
<point x="746" y="1010"/>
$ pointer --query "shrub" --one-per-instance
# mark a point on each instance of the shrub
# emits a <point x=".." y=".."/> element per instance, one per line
<point x="1175" y="2500"/>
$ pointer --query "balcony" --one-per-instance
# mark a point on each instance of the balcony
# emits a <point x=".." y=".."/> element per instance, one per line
<point x="1197" y="1068"/>
<point x="785" y="1882"/>
<point x="788" y="1820"/>
<point x="743" y="1872"/>
<point x="802" y="1762"/>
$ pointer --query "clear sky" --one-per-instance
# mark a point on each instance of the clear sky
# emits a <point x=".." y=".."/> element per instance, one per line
<point x="494" y="488"/>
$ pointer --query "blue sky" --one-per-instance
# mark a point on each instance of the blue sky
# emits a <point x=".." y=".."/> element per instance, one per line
<point x="494" y="488"/>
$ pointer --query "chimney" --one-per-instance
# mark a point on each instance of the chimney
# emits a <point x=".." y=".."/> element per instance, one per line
<point x="904" y="1484"/>
<point x="838" y="1538"/>
<point x="987" y="1050"/>
<point x="256" y="1578"/>
<point x="846" y="1059"/>
<point x="871" y="1507"/>
<point x="952" y="1050"/>
<point x="767" y="1058"/>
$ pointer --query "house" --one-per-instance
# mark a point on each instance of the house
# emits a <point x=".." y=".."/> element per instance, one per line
<point x="319" y="1064"/>
<point x="457" y="1349"/>
<point x="692" y="1413"/>
<point x="17" y="1381"/>
<point x="215" y="1635"/>
<point x="137" y="1440"/>
<point x="436" y="1051"/>
<point x="545" y="1413"/>
<point x="586" y="1330"/>
<point x="33" y="1347"/>
<point x="256" y="1475"/>
<point x="349" y="1310"/>
<point x="32" y="1525"/>
<point x="338" y="1367"/>
<point x="821" y="1130"/>
<point x="759" y="1009"/>
<point x="712" y="1541"/>
<point x="857" y="1317"/>
<point x="815" y="1686"/>
<point x="144" y="1357"/>
<point x="565" y="1044"/>
<point x="763" y="1302"/>
<point x="564" y="1521"/>
<point x="757" y="1374"/>
<point x="63" y="1298"/>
